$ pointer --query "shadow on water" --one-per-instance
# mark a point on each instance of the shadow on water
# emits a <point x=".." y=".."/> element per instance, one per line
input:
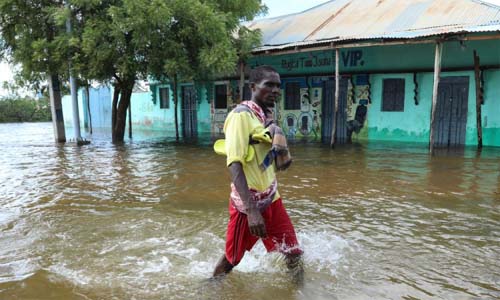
<point x="146" y="219"/>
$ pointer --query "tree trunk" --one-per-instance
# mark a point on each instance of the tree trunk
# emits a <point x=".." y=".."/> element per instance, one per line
<point x="176" y="100"/>
<point x="116" y="95"/>
<point x="120" y="109"/>
<point x="56" y="108"/>
<point x="121" y="114"/>
<point x="87" y="93"/>
<point x="130" y="121"/>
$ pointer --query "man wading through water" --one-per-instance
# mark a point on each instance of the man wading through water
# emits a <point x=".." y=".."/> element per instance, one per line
<point x="255" y="147"/>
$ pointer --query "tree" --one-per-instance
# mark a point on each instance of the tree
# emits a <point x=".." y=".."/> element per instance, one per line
<point x="245" y="42"/>
<point x="121" y="41"/>
<point x="34" y="38"/>
<point x="24" y="109"/>
<point x="181" y="40"/>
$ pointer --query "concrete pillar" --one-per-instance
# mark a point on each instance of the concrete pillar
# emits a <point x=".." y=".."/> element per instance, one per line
<point x="56" y="108"/>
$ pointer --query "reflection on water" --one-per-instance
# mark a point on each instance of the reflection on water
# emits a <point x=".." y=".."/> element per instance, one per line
<point x="146" y="220"/>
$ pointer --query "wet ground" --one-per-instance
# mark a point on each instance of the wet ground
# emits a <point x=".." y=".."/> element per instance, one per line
<point x="146" y="220"/>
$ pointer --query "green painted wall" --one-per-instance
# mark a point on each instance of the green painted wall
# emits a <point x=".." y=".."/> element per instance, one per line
<point x="147" y="115"/>
<point x="68" y="112"/>
<point x="410" y="125"/>
<point x="394" y="58"/>
<point x="491" y="108"/>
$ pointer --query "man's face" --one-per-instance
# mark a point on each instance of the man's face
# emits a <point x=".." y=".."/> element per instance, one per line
<point x="267" y="92"/>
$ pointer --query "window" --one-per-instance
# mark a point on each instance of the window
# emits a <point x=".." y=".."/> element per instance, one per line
<point x="292" y="95"/>
<point x="221" y="96"/>
<point x="393" y="95"/>
<point x="164" y="98"/>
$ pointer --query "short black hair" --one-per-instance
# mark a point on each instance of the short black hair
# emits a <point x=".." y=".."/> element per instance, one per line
<point x="257" y="74"/>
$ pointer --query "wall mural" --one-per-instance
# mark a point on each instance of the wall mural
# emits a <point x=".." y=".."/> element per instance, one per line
<point x="305" y="122"/>
<point x="358" y="106"/>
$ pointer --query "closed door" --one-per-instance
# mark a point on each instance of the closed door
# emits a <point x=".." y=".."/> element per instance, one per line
<point x="451" y="112"/>
<point x="189" y="113"/>
<point x="328" y="111"/>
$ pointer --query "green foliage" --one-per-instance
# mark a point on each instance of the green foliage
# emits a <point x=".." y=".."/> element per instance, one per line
<point x="246" y="41"/>
<point x="34" y="37"/>
<point x="120" y="41"/>
<point x="127" y="39"/>
<point x="24" y="110"/>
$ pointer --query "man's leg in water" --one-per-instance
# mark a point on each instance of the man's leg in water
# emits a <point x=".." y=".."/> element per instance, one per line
<point x="223" y="267"/>
<point x="295" y="267"/>
<point x="238" y="240"/>
<point x="282" y="238"/>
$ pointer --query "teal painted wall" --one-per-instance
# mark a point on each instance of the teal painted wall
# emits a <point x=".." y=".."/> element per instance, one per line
<point x="414" y="122"/>
<point x="147" y="115"/>
<point x="68" y="113"/>
<point x="491" y="108"/>
<point x="410" y="125"/>
<point x="394" y="58"/>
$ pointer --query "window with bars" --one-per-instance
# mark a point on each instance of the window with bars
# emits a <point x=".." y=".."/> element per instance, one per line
<point x="292" y="96"/>
<point x="221" y="96"/>
<point x="393" y="95"/>
<point x="164" y="98"/>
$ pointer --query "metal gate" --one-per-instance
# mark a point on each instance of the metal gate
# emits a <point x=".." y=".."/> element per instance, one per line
<point x="189" y="114"/>
<point x="451" y="112"/>
<point x="328" y="109"/>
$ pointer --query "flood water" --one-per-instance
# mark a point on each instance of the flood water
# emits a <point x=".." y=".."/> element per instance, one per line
<point x="146" y="220"/>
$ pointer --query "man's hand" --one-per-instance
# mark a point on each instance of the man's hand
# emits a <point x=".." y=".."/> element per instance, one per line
<point x="255" y="219"/>
<point x="256" y="224"/>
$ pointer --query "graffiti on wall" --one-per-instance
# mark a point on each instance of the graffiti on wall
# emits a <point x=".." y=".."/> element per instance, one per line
<point x="315" y="60"/>
<point x="352" y="58"/>
<point x="306" y="121"/>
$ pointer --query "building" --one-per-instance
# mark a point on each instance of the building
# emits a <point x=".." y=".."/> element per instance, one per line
<point x="388" y="54"/>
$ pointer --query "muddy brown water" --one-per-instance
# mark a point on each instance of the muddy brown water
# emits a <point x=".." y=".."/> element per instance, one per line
<point x="146" y="220"/>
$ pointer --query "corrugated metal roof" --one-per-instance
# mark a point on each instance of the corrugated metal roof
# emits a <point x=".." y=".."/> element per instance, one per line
<point x="342" y="20"/>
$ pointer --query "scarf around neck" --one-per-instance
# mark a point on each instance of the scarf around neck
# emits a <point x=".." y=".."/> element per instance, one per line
<point x="279" y="152"/>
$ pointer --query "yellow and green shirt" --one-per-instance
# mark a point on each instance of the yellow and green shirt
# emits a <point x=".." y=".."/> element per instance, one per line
<point x="239" y="126"/>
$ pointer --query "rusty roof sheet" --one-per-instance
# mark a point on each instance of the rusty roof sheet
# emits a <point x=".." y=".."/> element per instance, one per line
<point x="342" y="20"/>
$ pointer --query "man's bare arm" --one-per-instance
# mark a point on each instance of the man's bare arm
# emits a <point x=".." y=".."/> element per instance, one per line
<point x="255" y="220"/>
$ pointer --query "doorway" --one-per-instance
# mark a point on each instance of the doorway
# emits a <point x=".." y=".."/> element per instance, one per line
<point x="328" y="110"/>
<point x="189" y="113"/>
<point x="451" y="112"/>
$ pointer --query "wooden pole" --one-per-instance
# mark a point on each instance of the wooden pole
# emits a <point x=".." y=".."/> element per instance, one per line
<point x="337" y="85"/>
<point x="437" y="73"/>
<point x="130" y="121"/>
<point x="479" y="97"/>
<point x="176" y="100"/>
<point x="242" y="80"/>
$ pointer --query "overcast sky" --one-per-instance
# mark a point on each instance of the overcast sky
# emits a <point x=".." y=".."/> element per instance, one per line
<point x="276" y="8"/>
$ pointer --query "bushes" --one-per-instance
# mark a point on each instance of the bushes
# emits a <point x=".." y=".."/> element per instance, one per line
<point x="24" y="110"/>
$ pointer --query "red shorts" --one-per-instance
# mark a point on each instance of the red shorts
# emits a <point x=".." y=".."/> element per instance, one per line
<point x="280" y="233"/>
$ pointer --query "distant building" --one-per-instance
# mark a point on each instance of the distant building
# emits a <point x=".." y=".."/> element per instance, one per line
<point x="387" y="52"/>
